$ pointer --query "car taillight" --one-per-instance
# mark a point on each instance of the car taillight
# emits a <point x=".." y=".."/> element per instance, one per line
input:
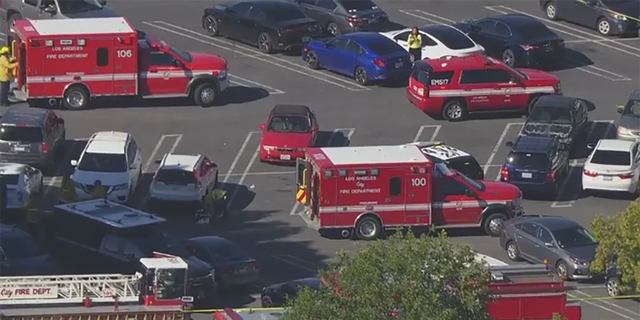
<point x="561" y="43"/>
<point x="353" y="20"/>
<point x="378" y="63"/>
<point x="254" y="265"/>
<point x="551" y="176"/>
<point x="626" y="175"/>
<point x="527" y="47"/>
<point x="286" y="31"/>
<point x="45" y="147"/>
<point x="504" y="173"/>
<point x="590" y="173"/>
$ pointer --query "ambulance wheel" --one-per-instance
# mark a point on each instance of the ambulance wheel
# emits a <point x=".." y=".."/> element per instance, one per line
<point x="205" y="94"/>
<point x="454" y="110"/>
<point x="493" y="224"/>
<point x="76" y="98"/>
<point x="12" y="20"/>
<point x="368" y="228"/>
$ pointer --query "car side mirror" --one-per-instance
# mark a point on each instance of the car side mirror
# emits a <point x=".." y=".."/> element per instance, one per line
<point x="176" y="63"/>
<point x="549" y="245"/>
<point x="262" y="127"/>
<point x="620" y="108"/>
<point x="315" y="129"/>
<point x="74" y="163"/>
<point x="509" y="144"/>
<point x="50" y="9"/>
<point x="591" y="146"/>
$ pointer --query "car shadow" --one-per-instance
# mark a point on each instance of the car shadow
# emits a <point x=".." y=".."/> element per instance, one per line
<point x="331" y="139"/>
<point x="597" y="130"/>
<point x="572" y="59"/>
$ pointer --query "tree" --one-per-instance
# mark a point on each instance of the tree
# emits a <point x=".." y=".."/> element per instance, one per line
<point x="403" y="277"/>
<point x="619" y="242"/>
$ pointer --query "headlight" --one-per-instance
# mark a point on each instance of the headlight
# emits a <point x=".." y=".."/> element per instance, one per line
<point x="577" y="261"/>
<point x="619" y="17"/>
<point x="123" y="186"/>
<point x="268" y="148"/>
<point x="300" y="150"/>
<point x="623" y="131"/>
<point x="222" y="74"/>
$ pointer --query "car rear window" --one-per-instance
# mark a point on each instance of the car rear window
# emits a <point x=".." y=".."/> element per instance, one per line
<point x="528" y="160"/>
<point x="21" y="134"/>
<point x="451" y="38"/>
<point x="616" y="158"/>
<point x="11" y="179"/>
<point x="440" y="78"/>
<point x="181" y="177"/>
<point x="382" y="48"/>
<point x="358" y="5"/>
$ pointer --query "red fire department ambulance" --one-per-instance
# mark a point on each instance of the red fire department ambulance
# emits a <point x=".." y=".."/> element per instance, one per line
<point x="76" y="60"/>
<point x="363" y="190"/>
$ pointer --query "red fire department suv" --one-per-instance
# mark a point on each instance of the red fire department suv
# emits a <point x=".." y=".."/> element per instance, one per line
<point x="76" y="60"/>
<point x="454" y="87"/>
<point x="364" y="190"/>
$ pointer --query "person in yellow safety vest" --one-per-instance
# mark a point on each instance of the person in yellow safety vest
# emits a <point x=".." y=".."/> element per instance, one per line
<point x="219" y="203"/>
<point x="99" y="191"/>
<point x="7" y="65"/>
<point x="67" y="190"/>
<point x="415" y="44"/>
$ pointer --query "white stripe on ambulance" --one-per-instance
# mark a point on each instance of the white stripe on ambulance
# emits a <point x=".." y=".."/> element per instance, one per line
<point x="119" y="76"/>
<point x="409" y="207"/>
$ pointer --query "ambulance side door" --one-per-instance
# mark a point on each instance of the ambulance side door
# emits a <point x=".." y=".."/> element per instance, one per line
<point x="448" y="197"/>
<point x="166" y="75"/>
<point x="416" y="199"/>
<point x="103" y="70"/>
<point x="125" y="63"/>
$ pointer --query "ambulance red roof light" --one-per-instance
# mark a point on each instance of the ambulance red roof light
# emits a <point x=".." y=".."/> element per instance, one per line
<point x="126" y="41"/>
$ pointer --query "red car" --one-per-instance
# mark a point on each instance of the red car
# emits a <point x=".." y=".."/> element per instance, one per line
<point x="454" y="87"/>
<point x="289" y="129"/>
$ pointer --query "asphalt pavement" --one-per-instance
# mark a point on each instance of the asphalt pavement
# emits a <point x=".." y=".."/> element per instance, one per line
<point x="264" y="218"/>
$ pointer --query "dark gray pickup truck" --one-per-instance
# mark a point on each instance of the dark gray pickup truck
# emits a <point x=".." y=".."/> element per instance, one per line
<point x="11" y="10"/>
<point x="564" y="118"/>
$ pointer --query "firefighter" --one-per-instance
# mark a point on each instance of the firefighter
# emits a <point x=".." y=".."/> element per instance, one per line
<point x="99" y="191"/>
<point x="7" y="66"/>
<point x="67" y="190"/>
<point x="219" y="203"/>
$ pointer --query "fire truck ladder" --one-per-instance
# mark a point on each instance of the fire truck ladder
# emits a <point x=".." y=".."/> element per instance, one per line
<point x="72" y="288"/>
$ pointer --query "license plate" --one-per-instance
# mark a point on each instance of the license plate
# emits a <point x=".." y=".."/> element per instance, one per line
<point x="605" y="178"/>
<point x="22" y="149"/>
<point x="242" y="270"/>
<point x="548" y="49"/>
<point x="399" y="64"/>
<point x="527" y="175"/>
<point x="306" y="39"/>
<point x="285" y="157"/>
<point x="373" y="20"/>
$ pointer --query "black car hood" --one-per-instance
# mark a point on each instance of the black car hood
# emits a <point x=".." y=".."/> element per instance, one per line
<point x="547" y="129"/>
<point x="630" y="8"/>
<point x="586" y="253"/>
<point x="38" y="265"/>
<point x="197" y="267"/>
<point x="102" y="13"/>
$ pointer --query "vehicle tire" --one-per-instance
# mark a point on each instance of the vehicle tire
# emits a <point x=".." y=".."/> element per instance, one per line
<point x="551" y="10"/>
<point x="205" y="94"/>
<point x="333" y="29"/>
<point x="493" y="224"/>
<point x="312" y="60"/>
<point x="532" y="103"/>
<point x="11" y="21"/>
<point x="216" y="182"/>
<point x="455" y="110"/>
<point x="361" y="76"/>
<point x="40" y="187"/>
<point x="266" y="302"/>
<point x="603" y="26"/>
<point x="211" y="26"/>
<point x="509" y="57"/>
<point x="76" y="98"/>
<point x="368" y="228"/>
<point x="264" y="43"/>
<point x="562" y="270"/>
<point x="513" y="252"/>
<point x="613" y="286"/>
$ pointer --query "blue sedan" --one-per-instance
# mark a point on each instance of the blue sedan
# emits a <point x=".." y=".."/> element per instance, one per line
<point x="365" y="56"/>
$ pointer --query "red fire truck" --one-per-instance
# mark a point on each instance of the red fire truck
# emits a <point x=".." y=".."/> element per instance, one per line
<point x="360" y="191"/>
<point x="76" y="60"/>
<point x="157" y="292"/>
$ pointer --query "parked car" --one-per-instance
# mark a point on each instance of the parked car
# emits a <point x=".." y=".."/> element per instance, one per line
<point x="608" y="17"/>
<point x="23" y="183"/>
<point x="562" y="117"/>
<point x="276" y="295"/>
<point x="519" y="40"/>
<point x="31" y="136"/>
<point x="438" y="40"/>
<point x="269" y="25"/>
<point x="367" y="57"/>
<point x="21" y="255"/>
<point x="629" y="124"/>
<point x="233" y="266"/>
<point x="183" y="178"/>
<point x="288" y="130"/>
<point x="613" y="165"/>
<point x="339" y="17"/>
<point x="562" y="243"/>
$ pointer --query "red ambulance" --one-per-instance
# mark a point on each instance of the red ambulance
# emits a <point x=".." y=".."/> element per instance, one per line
<point x="76" y="60"/>
<point x="360" y="191"/>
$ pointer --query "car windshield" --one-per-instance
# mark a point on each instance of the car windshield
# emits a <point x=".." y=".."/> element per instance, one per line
<point x="534" y="31"/>
<point x="180" y="177"/>
<point x="358" y="5"/>
<point x="11" y="179"/>
<point x="474" y="183"/>
<point x="632" y="109"/>
<point x="20" y="247"/>
<point x="383" y="48"/>
<point x="226" y="251"/>
<point x="153" y="240"/>
<point x="551" y="115"/>
<point x="21" y="134"/>
<point x="451" y="38"/>
<point x="573" y="237"/>
<point x="283" y="12"/>
<point x="616" y="158"/>
<point x="76" y="6"/>
<point x="103" y="162"/>
<point x="514" y="70"/>
<point x="186" y="56"/>
<point x="291" y="124"/>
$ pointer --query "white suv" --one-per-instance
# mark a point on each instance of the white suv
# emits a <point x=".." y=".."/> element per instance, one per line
<point x="23" y="182"/>
<point x="183" y="178"/>
<point x="113" y="158"/>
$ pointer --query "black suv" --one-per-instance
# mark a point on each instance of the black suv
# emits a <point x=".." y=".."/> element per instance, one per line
<point x="536" y="165"/>
<point x="21" y="255"/>
<point x="344" y="16"/>
<point x="558" y="116"/>
<point x="31" y="136"/>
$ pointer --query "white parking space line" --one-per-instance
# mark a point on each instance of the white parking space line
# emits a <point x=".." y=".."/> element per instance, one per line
<point x="576" y="165"/>
<point x="244" y="175"/>
<point x="496" y="148"/>
<point x="434" y="18"/>
<point x="296" y="262"/>
<point x="253" y="54"/>
<point x="237" y="158"/>
<point x="598" y="305"/>
<point x="436" y="130"/>
<point x="250" y="83"/>
<point x="606" y="40"/>
<point x="65" y="160"/>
